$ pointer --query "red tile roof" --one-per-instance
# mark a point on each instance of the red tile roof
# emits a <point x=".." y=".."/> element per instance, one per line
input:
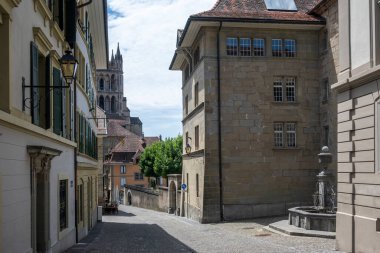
<point x="115" y="128"/>
<point x="256" y="9"/>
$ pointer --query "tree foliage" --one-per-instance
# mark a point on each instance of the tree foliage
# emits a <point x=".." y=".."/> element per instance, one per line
<point x="162" y="158"/>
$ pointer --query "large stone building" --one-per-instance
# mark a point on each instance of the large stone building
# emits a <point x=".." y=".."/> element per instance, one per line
<point x="358" y="92"/>
<point x="44" y="118"/>
<point x="256" y="106"/>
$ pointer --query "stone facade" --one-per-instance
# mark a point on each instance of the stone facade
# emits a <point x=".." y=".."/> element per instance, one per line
<point x="254" y="177"/>
<point x="357" y="88"/>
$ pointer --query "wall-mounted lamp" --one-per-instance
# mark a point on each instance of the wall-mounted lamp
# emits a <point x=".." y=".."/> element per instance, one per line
<point x="188" y="147"/>
<point x="69" y="67"/>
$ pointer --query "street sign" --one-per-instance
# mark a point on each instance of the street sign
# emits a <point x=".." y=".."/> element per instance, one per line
<point x="184" y="186"/>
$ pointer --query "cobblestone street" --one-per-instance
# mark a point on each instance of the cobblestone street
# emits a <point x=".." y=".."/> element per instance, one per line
<point x="140" y="230"/>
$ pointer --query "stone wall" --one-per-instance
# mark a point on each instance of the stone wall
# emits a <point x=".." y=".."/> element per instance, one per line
<point x="147" y="198"/>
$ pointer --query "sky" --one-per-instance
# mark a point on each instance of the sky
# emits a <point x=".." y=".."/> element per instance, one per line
<point x="147" y="33"/>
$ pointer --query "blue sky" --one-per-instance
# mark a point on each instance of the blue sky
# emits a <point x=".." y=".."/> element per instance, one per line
<point x="147" y="30"/>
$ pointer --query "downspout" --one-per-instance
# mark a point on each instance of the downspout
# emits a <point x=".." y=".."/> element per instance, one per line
<point x="219" y="127"/>
<point x="75" y="158"/>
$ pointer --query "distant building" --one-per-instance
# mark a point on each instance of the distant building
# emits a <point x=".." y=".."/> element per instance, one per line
<point x="257" y="107"/>
<point x="122" y="164"/>
<point x="110" y="87"/>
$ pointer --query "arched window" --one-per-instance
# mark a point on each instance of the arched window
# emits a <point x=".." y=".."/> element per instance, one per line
<point x="113" y="83"/>
<point x="101" y="84"/>
<point x="113" y="105"/>
<point x="101" y="102"/>
<point x="107" y="105"/>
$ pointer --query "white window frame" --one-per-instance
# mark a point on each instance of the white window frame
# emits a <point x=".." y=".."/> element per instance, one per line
<point x="245" y="47"/>
<point x="234" y="47"/>
<point x="278" y="90"/>
<point x="291" y="134"/>
<point x="278" y="130"/>
<point x="290" y="87"/>
<point x="277" y="43"/>
<point x="123" y="170"/>
<point x="293" y="48"/>
<point x="260" y="51"/>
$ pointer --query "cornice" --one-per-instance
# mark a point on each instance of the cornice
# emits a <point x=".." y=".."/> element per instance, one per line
<point x="7" y="5"/>
<point x="41" y="40"/>
<point x="42" y="7"/>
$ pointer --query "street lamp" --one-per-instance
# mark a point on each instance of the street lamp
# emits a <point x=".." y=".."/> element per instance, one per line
<point x="69" y="67"/>
<point x="188" y="149"/>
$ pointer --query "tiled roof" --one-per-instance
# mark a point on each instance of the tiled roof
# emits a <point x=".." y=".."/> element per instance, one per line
<point x="256" y="9"/>
<point x="130" y="147"/>
<point x="115" y="128"/>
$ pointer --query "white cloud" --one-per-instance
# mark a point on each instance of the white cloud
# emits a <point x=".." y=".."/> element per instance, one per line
<point x="147" y="30"/>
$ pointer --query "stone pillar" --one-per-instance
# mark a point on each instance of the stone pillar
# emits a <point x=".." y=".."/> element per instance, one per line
<point x="40" y="171"/>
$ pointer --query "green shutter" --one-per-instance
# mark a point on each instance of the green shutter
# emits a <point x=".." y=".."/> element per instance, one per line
<point x="57" y="103"/>
<point x="47" y="93"/>
<point x="34" y="94"/>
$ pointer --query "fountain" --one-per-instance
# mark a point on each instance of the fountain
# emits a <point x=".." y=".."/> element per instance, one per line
<point x="321" y="216"/>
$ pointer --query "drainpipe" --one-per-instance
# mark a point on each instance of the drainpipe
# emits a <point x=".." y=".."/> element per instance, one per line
<point x="220" y="128"/>
<point x="75" y="158"/>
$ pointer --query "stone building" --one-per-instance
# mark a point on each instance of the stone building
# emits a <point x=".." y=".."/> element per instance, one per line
<point x="357" y="87"/>
<point x="256" y="106"/>
<point x="110" y="86"/>
<point x="44" y="118"/>
<point x="122" y="165"/>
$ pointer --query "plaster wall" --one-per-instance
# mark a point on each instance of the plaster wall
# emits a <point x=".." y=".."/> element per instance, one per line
<point x="15" y="190"/>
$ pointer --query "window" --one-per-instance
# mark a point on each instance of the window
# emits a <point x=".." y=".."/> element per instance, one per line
<point x="290" y="48"/>
<point x="122" y="181"/>
<point x="40" y="76"/>
<point x="324" y="40"/>
<point x="197" y="184"/>
<point x="139" y="176"/>
<point x="5" y="53"/>
<point x="291" y="135"/>
<point x="325" y="139"/>
<point x="289" y="139"/>
<point x="122" y="169"/>
<point x="277" y="90"/>
<point x="289" y="94"/>
<point x="196" y="137"/>
<point x="232" y="46"/>
<point x="57" y="103"/>
<point x="276" y="47"/>
<point x="186" y="105"/>
<point x="101" y="84"/>
<point x="187" y="72"/>
<point x="63" y="222"/>
<point x="290" y="89"/>
<point x="196" y="95"/>
<point x="56" y="8"/>
<point x="81" y="202"/>
<point x="196" y="56"/>
<point x="245" y="47"/>
<point x="258" y="47"/>
<point x="278" y="135"/>
<point x="325" y="90"/>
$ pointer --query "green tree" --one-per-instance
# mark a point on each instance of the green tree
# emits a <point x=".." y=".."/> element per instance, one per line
<point x="162" y="158"/>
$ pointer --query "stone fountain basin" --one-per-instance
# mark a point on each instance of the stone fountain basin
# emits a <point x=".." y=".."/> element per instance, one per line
<point x="310" y="218"/>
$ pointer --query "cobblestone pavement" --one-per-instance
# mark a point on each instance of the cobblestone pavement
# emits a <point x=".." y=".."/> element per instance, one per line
<point x="141" y="230"/>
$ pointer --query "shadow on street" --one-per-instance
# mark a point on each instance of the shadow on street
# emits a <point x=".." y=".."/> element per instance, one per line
<point x="125" y="237"/>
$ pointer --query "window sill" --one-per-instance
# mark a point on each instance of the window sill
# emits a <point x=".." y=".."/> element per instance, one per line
<point x="285" y="103"/>
<point x="193" y="112"/>
<point x="296" y="148"/>
<point x="197" y="153"/>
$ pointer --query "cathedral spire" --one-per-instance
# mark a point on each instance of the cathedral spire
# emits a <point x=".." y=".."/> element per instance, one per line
<point x="112" y="57"/>
<point x="118" y="54"/>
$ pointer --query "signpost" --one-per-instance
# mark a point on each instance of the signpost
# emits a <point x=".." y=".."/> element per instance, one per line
<point x="184" y="187"/>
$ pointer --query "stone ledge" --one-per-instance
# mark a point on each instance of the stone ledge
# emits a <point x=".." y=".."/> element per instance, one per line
<point x="284" y="227"/>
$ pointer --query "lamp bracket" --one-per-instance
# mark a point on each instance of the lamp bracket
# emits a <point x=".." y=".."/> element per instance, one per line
<point x="31" y="99"/>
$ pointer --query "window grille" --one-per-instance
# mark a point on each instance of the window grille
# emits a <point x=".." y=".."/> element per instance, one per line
<point x="290" y="48"/>
<point x="291" y="135"/>
<point x="277" y="47"/>
<point x="232" y="46"/>
<point x="278" y="135"/>
<point x="258" y="47"/>
<point x="277" y="90"/>
<point x="290" y="89"/>
<point x="245" y="47"/>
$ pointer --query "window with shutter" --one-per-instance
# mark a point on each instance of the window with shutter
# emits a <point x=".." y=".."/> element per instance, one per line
<point x="57" y="103"/>
<point x="34" y="94"/>
<point x="47" y="92"/>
